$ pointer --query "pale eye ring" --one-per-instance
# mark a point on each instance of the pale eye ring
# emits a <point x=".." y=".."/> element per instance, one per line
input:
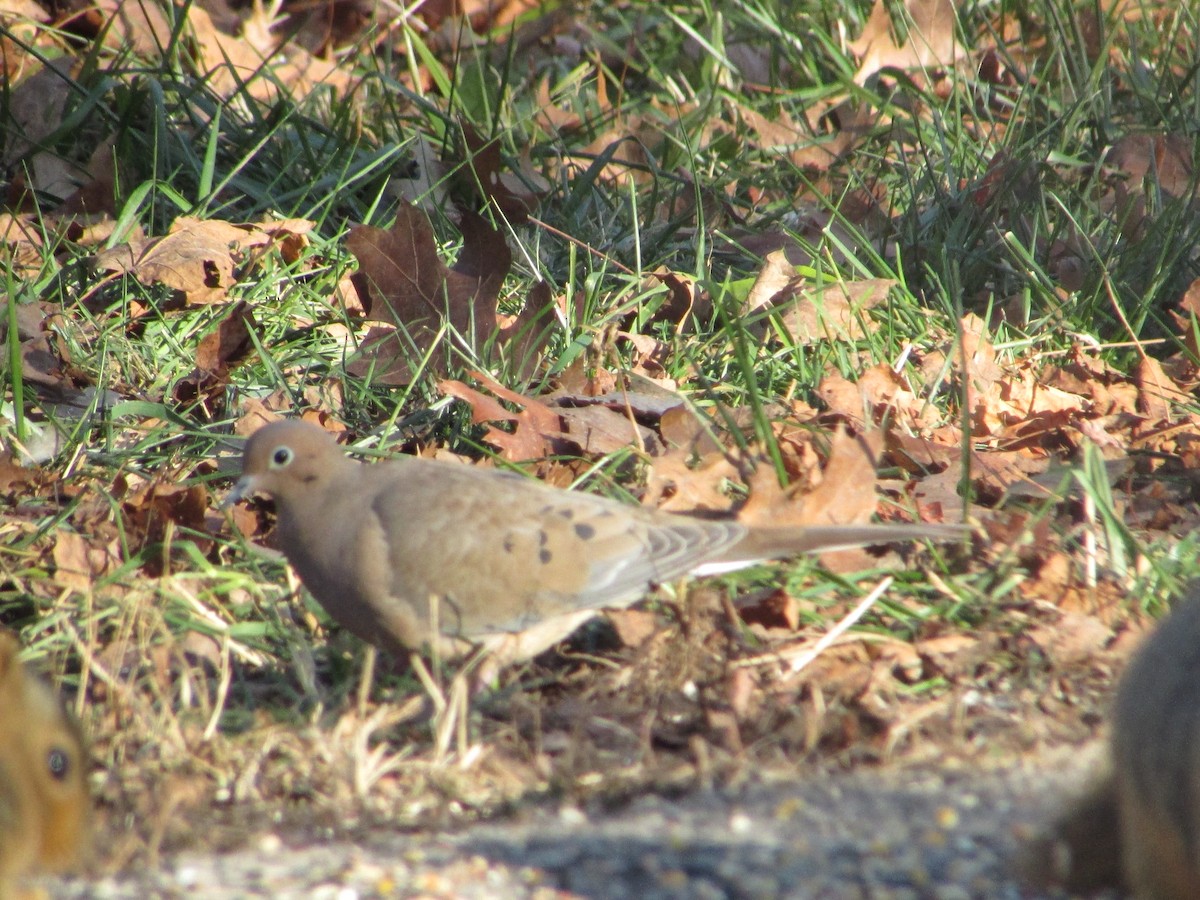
<point x="281" y="457"/>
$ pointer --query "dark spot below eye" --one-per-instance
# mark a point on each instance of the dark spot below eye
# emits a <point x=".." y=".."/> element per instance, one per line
<point x="58" y="763"/>
<point x="545" y="556"/>
<point x="584" y="531"/>
<point x="508" y="545"/>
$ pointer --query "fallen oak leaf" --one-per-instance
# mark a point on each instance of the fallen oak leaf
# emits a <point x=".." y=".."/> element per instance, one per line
<point x="594" y="428"/>
<point x="408" y="285"/>
<point x="534" y="427"/>
<point x="516" y="196"/>
<point x="520" y="338"/>
<point x="219" y="352"/>
<point x="845" y="496"/>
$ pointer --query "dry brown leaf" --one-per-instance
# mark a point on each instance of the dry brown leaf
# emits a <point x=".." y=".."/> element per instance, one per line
<point x="633" y="626"/>
<point x="583" y="379"/>
<point x="879" y="395"/>
<point x="521" y="338"/>
<point x="599" y="430"/>
<point x="21" y="242"/>
<point x="808" y="313"/>
<point x="675" y="483"/>
<point x="230" y="63"/>
<point x="44" y="355"/>
<point x="930" y="45"/>
<point x="534" y="429"/>
<point x="686" y="432"/>
<point x="198" y="258"/>
<point x="771" y="610"/>
<point x="479" y="15"/>
<point x="920" y="455"/>
<point x="410" y="287"/>
<point x="957" y="655"/>
<point x="226" y="346"/>
<point x="776" y="277"/>
<point x="652" y="356"/>
<point x="686" y="300"/>
<point x="423" y="184"/>
<point x="977" y="355"/>
<point x="15" y="479"/>
<point x="34" y="112"/>
<point x="1164" y="160"/>
<point x="1158" y="395"/>
<point x="846" y="494"/>
<point x="79" y="562"/>
<point x="158" y="507"/>
<point x="516" y="195"/>
<point x="1074" y="638"/>
<point x="849" y="123"/>
<point x="1146" y="162"/>
<point x="835" y="311"/>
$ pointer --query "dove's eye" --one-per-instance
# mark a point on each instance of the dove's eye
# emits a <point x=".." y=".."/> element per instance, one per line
<point x="281" y="457"/>
<point x="58" y="763"/>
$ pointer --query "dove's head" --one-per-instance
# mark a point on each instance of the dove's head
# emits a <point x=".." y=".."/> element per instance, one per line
<point x="285" y="459"/>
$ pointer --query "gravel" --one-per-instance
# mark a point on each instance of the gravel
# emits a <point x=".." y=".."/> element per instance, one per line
<point x="889" y="833"/>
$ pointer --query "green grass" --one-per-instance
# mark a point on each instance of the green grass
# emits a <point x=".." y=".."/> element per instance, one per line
<point x="206" y="649"/>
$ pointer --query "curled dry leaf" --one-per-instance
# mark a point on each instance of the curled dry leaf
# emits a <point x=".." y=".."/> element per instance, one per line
<point x="199" y="258"/>
<point x="770" y="610"/>
<point x="231" y="63"/>
<point x="1073" y="639"/>
<point x="1158" y="394"/>
<point x="879" y="395"/>
<point x="521" y="338"/>
<point x="675" y="483"/>
<point x="809" y="313"/>
<point x="634" y="626"/>
<point x="685" y="303"/>
<point x="846" y="494"/>
<point x="34" y="111"/>
<point x="930" y="44"/>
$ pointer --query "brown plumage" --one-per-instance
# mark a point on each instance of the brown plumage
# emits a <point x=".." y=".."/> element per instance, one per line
<point x="513" y="564"/>
<point x="43" y="780"/>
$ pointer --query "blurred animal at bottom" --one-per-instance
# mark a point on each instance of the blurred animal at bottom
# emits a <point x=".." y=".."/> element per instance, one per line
<point x="44" y="806"/>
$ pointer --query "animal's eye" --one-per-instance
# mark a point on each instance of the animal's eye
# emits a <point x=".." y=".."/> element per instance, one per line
<point x="281" y="457"/>
<point x="58" y="762"/>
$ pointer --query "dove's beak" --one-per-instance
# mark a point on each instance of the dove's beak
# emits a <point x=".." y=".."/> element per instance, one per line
<point x="245" y="487"/>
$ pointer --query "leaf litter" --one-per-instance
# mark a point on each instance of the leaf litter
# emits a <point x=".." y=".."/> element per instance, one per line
<point x="881" y="441"/>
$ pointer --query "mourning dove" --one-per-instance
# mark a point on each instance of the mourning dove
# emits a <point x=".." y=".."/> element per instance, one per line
<point x="497" y="559"/>
<point x="43" y="780"/>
